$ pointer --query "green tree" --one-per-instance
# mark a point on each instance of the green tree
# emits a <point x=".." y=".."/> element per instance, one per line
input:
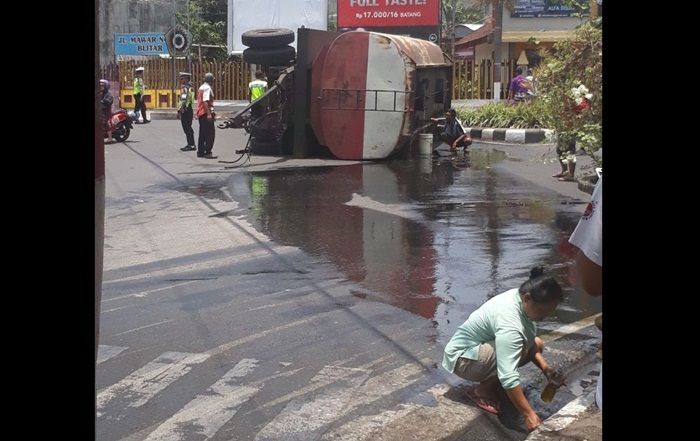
<point x="455" y="12"/>
<point x="568" y="65"/>
<point x="206" y="21"/>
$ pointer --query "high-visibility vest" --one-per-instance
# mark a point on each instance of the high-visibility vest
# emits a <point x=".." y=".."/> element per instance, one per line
<point x="138" y="85"/>
<point x="257" y="89"/>
<point x="186" y="97"/>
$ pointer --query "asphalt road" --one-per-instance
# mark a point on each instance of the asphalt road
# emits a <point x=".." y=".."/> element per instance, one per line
<point x="308" y="299"/>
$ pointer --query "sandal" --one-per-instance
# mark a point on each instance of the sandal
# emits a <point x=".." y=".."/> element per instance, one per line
<point x="486" y="404"/>
<point x="567" y="178"/>
<point x="559" y="175"/>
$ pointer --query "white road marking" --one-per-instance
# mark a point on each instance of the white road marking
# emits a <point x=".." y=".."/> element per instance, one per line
<point x="384" y="384"/>
<point x="570" y="328"/>
<point x="208" y="412"/>
<point x="105" y="352"/>
<point x="145" y="293"/>
<point x="144" y="327"/>
<point x="232" y="344"/>
<point x="142" y="385"/>
<point x="304" y="418"/>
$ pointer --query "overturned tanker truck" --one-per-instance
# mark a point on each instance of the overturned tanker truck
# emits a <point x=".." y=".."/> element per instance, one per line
<point x="361" y="95"/>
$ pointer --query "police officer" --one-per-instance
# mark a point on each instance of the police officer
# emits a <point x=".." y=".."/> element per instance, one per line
<point x="184" y="110"/>
<point x="139" y="104"/>
<point x="257" y="88"/>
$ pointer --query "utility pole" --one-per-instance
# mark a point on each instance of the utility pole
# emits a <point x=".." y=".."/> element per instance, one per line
<point x="452" y="29"/>
<point x="189" y="31"/>
<point x="497" y="12"/>
<point x="173" y="94"/>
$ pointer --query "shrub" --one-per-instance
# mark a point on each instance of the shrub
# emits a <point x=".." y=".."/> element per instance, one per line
<point x="568" y="66"/>
<point x="532" y="114"/>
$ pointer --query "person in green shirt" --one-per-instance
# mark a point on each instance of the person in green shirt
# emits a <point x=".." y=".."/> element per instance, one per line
<point x="185" y="112"/>
<point x="139" y="103"/>
<point x="257" y="89"/>
<point x="498" y="338"/>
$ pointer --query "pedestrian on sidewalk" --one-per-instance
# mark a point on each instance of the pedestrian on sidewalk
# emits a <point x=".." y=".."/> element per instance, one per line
<point x="500" y="337"/>
<point x="139" y="103"/>
<point x="185" y="111"/>
<point x="206" y="116"/>
<point x="106" y="101"/>
<point x="566" y="154"/>
<point x="517" y="90"/>
<point x="588" y="239"/>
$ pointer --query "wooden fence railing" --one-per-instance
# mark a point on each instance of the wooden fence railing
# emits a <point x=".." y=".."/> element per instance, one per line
<point x="471" y="79"/>
<point x="474" y="79"/>
<point x="232" y="77"/>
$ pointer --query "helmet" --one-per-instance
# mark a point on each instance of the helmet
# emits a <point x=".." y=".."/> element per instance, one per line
<point x="209" y="77"/>
<point x="104" y="83"/>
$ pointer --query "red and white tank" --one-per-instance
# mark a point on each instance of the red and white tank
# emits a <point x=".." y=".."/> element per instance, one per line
<point x="363" y="89"/>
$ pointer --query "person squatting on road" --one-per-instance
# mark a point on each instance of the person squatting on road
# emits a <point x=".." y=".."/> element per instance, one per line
<point x="498" y="338"/>
<point x="588" y="239"/>
<point x="106" y="101"/>
<point x="139" y="103"/>
<point x="184" y="110"/>
<point x="452" y="136"/>
<point x="206" y="116"/>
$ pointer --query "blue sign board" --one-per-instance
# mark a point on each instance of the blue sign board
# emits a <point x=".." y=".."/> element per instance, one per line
<point x="140" y="44"/>
<point x="545" y="8"/>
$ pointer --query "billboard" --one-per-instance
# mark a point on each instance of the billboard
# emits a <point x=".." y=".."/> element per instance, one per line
<point x="545" y="8"/>
<point x="245" y="15"/>
<point x="388" y="13"/>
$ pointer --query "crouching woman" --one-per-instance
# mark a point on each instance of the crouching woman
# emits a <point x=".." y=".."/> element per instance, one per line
<point x="498" y="338"/>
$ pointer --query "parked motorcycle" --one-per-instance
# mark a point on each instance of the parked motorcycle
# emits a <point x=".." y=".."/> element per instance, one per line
<point x="120" y="123"/>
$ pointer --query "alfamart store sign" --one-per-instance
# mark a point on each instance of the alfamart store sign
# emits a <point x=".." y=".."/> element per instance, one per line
<point x="386" y="13"/>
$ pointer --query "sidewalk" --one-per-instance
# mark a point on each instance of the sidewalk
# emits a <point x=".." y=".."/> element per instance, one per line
<point x="580" y="419"/>
<point x="222" y="107"/>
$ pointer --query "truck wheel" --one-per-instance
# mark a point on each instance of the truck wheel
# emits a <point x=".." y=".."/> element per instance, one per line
<point x="267" y="38"/>
<point x="265" y="147"/>
<point x="281" y="56"/>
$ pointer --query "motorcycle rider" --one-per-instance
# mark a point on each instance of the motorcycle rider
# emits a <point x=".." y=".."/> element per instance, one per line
<point x="106" y="101"/>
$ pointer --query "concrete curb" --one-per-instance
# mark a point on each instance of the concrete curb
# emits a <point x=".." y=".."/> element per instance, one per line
<point x="222" y="107"/>
<point x="513" y="136"/>
<point x="563" y="418"/>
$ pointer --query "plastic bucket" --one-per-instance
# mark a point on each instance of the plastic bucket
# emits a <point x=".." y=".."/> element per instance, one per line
<point x="425" y="144"/>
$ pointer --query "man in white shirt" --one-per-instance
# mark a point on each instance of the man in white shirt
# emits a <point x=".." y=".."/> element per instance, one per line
<point x="588" y="238"/>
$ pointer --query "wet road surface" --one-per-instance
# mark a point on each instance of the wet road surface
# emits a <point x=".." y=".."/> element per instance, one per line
<point x="307" y="302"/>
<point x="428" y="236"/>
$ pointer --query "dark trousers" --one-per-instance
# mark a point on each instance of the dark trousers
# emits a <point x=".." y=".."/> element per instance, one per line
<point x="139" y="106"/>
<point x="205" y="143"/>
<point x="445" y="137"/>
<point x="186" y="121"/>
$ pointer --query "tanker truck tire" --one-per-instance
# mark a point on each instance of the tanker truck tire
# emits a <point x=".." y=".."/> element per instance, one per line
<point x="281" y="56"/>
<point x="267" y="38"/>
<point x="270" y="148"/>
